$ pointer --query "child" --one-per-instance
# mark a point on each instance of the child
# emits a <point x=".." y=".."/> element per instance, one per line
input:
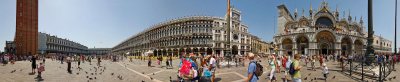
<point x="325" y="70"/>
<point x="40" y="70"/>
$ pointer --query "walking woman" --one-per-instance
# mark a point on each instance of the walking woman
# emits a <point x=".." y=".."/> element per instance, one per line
<point x="272" y="63"/>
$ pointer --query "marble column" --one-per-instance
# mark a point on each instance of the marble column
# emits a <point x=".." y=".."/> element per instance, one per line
<point x="295" y="48"/>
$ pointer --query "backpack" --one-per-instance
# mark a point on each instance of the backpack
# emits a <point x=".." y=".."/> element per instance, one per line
<point x="291" y="69"/>
<point x="185" y="68"/>
<point x="259" y="69"/>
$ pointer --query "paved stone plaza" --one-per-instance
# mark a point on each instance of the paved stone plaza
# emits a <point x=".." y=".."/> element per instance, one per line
<point x="137" y="71"/>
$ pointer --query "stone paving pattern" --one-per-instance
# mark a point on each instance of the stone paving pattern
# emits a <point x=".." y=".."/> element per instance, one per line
<point x="137" y="71"/>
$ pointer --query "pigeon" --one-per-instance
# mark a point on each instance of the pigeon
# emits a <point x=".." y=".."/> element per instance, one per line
<point x="87" y="76"/>
<point x="90" y="78"/>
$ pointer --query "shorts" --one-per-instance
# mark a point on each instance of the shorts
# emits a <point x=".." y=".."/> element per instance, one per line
<point x="296" y="80"/>
<point x="213" y="70"/>
<point x="33" y="66"/>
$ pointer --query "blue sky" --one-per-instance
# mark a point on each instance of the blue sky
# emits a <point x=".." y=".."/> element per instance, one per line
<point x="105" y="23"/>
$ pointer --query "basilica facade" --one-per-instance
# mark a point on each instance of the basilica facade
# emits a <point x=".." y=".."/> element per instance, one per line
<point x="321" y="31"/>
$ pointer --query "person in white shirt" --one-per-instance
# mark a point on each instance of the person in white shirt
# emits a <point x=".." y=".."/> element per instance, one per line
<point x="325" y="70"/>
<point x="212" y="67"/>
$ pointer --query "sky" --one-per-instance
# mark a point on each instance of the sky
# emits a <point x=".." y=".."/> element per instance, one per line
<point x="106" y="23"/>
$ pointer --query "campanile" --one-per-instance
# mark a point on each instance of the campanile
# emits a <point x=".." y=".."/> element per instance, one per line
<point x="26" y="35"/>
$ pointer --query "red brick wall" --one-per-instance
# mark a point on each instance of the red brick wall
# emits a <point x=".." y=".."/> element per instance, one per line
<point x="26" y="35"/>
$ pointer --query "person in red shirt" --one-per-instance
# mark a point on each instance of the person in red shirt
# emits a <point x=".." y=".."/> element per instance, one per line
<point x="284" y="60"/>
<point x="321" y="58"/>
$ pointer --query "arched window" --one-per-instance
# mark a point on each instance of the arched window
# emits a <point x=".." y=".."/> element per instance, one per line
<point x="324" y="21"/>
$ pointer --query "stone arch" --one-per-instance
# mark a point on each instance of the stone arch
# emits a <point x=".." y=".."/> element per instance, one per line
<point x="235" y="50"/>
<point x="287" y="46"/>
<point x="324" y="15"/>
<point x="325" y="42"/>
<point x="302" y="42"/>
<point x="346" y="45"/>
<point x="324" y="30"/>
<point x="358" y="47"/>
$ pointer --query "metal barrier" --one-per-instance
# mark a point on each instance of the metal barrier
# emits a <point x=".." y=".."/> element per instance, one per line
<point x="358" y="69"/>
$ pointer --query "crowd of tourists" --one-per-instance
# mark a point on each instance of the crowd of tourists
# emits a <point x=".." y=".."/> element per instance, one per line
<point x="193" y="68"/>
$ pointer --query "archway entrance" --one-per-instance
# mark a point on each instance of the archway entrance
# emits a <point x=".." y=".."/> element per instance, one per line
<point x="326" y="42"/>
<point x="358" y="46"/>
<point x="287" y="45"/>
<point x="346" y="46"/>
<point x="235" y="50"/>
<point x="302" y="44"/>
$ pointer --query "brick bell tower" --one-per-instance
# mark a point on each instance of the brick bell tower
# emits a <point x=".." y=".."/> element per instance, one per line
<point x="26" y="35"/>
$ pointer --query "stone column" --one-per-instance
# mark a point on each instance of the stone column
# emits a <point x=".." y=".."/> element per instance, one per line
<point x="172" y="53"/>
<point x="352" y="49"/>
<point x="184" y="50"/>
<point x="162" y="52"/>
<point x="338" y="48"/>
<point x="295" y="48"/>
<point x="280" y="49"/>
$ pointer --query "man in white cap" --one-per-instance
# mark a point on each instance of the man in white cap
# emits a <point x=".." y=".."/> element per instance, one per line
<point x="325" y="70"/>
<point x="251" y="69"/>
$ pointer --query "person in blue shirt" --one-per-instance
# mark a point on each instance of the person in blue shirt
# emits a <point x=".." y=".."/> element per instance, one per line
<point x="251" y="77"/>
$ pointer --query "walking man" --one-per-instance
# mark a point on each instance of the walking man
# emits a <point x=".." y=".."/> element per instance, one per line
<point x="69" y="64"/>
<point x="251" y="69"/>
<point x="33" y="60"/>
<point x="297" y="67"/>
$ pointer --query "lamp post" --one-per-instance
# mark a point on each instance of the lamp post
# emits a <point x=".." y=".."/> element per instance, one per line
<point x="395" y="32"/>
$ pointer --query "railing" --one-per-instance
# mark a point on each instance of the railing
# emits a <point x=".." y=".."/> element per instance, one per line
<point x="358" y="68"/>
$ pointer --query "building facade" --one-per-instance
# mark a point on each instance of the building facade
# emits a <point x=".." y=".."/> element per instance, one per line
<point x="26" y="35"/>
<point x="53" y="44"/>
<point x="322" y="31"/>
<point x="197" y="34"/>
<point x="99" y="51"/>
<point x="382" y="45"/>
<point x="261" y="47"/>
<point x="10" y="47"/>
